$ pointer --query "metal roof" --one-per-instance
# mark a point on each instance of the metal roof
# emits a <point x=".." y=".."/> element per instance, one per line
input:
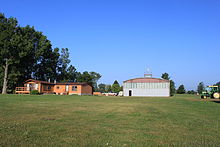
<point x="146" y="80"/>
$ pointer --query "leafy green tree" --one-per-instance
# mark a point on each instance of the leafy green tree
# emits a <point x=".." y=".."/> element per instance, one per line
<point x="44" y="54"/>
<point x="181" y="89"/>
<point x="116" y="87"/>
<point x="191" y="92"/>
<point x="200" y="87"/>
<point x="95" y="77"/>
<point x="84" y="77"/>
<point x="24" y="53"/>
<point x="218" y="84"/>
<point x="172" y="83"/>
<point x="63" y="65"/>
<point x="54" y="64"/>
<point x="101" y="88"/>
<point x="165" y="76"/>
<point x="37" y="59"/>
<point x="108" y="88"/>
<point x="27" y="40"/>
<point x="71" y="74"/>
<point x="172" y="88"/>
<point x="8" y="49"/>
<point x="89" y="77"/>
<point x="121" y="88"/>
<point x="65" y="73"/>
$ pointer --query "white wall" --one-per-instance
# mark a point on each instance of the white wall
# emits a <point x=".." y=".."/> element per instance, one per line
<point x="154" y="91"/>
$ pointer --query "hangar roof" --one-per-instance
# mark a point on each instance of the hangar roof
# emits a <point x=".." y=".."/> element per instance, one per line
<point x="146" y="80"/>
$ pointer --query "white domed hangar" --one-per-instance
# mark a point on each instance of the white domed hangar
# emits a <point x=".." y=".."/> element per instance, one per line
<point x="147" y="86"/>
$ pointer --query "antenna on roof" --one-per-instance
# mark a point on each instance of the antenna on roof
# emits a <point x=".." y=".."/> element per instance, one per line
<point x="148" y="73"/>
<point x="148" y="70"/>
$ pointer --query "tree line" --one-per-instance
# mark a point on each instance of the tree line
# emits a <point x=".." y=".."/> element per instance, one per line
<point x="181" y="89"/>
<point x="106" y="88"/>
<point x="201" y="87"/>
<point x="27" y="53"/>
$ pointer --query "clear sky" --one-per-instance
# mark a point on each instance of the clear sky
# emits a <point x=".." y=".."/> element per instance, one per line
<point x="120" y="39"/>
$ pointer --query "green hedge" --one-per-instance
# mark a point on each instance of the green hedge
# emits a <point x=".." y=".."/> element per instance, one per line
<point x="34" y="92"/>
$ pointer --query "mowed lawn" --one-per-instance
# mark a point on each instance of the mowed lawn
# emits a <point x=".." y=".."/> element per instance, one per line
<point x="49" y="120"/>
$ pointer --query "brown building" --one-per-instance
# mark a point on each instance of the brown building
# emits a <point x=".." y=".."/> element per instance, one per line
<point x="54" y="88"/>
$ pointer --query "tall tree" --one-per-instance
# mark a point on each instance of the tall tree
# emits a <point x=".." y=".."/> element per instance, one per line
<point x="24" y="53"/>
<point x="116" y="87"/>
<point x="172" y="83"/>
<point x="65" y="73"/>
<point x="200" y="87"/>
<point x="71" y="74"/>
<point x="27" y="47"/>
<point x="54" y="64"/>
<point x="181" y="89"/>
<point x="8" y="49"/>
<point x="63" y="64"/>
<point x="44" y="56"/>
<point x="172" y="88"/>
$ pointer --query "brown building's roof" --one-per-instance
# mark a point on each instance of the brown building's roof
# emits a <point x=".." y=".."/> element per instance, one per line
<point x="66" y="83"/>
<point x="147" y="80"/>
<point x="71" y="83"/>
<point x="38" y="81"/>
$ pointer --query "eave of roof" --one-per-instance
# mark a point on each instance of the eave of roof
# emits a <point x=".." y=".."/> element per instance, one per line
<point x="147" y="80"/>
<point x="71" y="83"/>
<point x="66" y="83"/>
<point x="38" y="81"/>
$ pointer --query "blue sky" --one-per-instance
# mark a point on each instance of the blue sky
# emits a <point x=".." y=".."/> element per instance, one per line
<point x="120" y="39"/>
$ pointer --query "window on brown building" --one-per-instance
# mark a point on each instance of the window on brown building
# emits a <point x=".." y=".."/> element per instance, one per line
<point x="74" y="88"/>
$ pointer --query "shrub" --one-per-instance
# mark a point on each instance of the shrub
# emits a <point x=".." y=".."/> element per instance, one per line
<point x="34" y="92"/>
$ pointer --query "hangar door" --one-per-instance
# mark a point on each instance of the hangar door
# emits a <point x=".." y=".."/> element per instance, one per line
<point x="130" y="92"/>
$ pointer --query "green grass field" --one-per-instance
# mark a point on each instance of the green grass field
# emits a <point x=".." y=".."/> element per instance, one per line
<point x="48" y="120"/>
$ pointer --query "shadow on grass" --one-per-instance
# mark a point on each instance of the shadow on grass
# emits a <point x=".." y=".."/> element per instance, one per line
<point x="216" y="101"/>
